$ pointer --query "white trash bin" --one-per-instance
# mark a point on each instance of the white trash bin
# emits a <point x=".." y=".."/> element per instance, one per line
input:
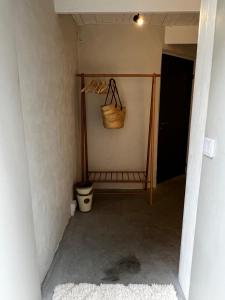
<point x="85" y="197"/>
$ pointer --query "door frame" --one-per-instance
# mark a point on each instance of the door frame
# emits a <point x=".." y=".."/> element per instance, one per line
<point x="198" y="121"/>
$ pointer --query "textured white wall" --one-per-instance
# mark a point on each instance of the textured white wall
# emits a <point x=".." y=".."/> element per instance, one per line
<point x="207" y="280"/>
<point x="198" y="123"/>
<point x="46" y="49"/>
<point x="181" y="34"/>
<point x="19" y="278"/>
<point x="120" y="49"/>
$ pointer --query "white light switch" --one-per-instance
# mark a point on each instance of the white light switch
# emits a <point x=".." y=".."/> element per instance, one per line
<point x="209" y="147"/>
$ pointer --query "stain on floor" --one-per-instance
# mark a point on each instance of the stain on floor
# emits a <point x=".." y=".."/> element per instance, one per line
<point x="126" y="265"/>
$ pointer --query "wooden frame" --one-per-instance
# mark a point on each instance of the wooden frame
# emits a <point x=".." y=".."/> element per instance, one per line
<point x="119" y="75"/>
<point x="147" y="176"/>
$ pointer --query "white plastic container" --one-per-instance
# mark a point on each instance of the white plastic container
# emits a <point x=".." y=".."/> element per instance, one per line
<point x="73" y="207"/>
<point x="85" y="197"/>
<point x="84" y="190"/>
<point x="85" y="202"/>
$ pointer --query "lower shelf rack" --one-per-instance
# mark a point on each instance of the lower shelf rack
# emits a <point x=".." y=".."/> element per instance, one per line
<point x="118" y="176"/>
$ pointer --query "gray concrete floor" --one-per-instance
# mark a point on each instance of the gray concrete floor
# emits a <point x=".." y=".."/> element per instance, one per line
<point x="123" y="240"/>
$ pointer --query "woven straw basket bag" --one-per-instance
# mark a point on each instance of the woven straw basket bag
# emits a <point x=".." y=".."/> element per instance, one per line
<point x="113" y="114"/>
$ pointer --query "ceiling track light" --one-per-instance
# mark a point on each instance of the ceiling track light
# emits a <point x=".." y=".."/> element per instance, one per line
<point x="138" y="19"/>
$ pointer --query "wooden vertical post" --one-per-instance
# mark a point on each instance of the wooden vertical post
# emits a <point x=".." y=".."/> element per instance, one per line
<point x="150" y="148"/>
<point x="85" y="139"/>
<point x="82" y="128"/>
<point x="152" y="151"/>
<point x="149" y="138"/>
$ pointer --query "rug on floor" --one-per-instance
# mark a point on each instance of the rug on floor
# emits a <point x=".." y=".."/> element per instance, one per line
<point x="114" y="292"/>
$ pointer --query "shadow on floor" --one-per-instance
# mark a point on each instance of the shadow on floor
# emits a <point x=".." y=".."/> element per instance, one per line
<point x="123" y="240"/>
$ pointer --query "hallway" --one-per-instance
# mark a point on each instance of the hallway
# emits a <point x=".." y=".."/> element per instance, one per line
<point x="123" y="240"/>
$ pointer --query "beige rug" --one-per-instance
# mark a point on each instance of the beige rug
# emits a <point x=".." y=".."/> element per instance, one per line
<point x="114" y="292"/>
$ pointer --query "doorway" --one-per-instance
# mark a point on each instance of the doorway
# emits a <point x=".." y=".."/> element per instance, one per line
<point x="174" y="116"/>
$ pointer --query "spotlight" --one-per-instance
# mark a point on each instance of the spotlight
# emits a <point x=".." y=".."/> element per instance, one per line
<point x="139" y="20"/>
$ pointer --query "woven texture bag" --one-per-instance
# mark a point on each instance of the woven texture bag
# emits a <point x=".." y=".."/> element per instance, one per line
<point x="113" y="114"/>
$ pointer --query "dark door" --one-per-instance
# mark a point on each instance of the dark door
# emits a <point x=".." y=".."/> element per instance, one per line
<point x="175" y="100"/>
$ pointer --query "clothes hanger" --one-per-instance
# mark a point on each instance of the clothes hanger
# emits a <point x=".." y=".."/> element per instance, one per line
<point x="86" y="88"/>
<point x="89" y="88"/>
<point x="98" y="87"/>
<point x="103" y="88"/>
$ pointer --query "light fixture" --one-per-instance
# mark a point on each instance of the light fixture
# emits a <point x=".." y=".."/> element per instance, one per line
<point x="139" y="20"/>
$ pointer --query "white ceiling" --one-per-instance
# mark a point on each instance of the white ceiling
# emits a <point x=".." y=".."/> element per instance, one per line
<point x="125" y="6"/>
<point x="165" y="19"/>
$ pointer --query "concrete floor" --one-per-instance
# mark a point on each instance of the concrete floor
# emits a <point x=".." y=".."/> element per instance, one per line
<point x="123" y="240"/>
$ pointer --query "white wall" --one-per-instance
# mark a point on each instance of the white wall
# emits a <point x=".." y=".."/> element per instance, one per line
<point x="120" y="49"/>
<point x="198" y="122"/>
<point x="207" y="281"/>
<point x="46" y="49"/>
<point x="181" y="34"/>
<point x="73" y="6"/>
<point x="18" y="262"/>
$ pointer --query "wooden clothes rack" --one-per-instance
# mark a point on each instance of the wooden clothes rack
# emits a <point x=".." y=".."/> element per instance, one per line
<point x="145" y="176"/>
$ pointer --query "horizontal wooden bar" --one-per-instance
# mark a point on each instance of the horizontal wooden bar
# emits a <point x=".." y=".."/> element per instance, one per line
<point x="128" y="174"/>
<point x="119" y="75"/>
<point x="143" y="172"/>
<point x="121" y="181"/>
<point x="122" y="192"/>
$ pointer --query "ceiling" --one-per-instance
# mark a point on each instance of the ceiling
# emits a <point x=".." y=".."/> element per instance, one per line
<point x="163" y="19"/>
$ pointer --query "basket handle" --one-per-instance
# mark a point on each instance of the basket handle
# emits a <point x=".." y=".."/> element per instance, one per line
<point x="109" y="90"/>
<point x="118" y="96"/>
<point x="114" y="90"/>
